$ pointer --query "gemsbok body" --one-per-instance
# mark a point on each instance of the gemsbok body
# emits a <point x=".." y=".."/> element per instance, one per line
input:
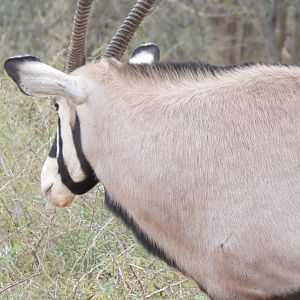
<point x="202" y="162"/>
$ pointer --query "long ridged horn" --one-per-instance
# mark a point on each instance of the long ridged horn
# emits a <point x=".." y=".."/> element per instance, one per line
<point x="120" y="41"/>
<point x="76" y="52"/>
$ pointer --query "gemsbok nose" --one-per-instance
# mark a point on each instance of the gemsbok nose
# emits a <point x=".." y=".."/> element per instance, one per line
<point x="52" y="187"/>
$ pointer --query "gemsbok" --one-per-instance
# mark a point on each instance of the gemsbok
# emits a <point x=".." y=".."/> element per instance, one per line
<point x="202" y="162"/>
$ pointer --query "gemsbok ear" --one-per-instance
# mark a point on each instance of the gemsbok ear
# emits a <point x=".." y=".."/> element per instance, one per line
<point x="35" y="78"/>
<point x="145" y="54"/>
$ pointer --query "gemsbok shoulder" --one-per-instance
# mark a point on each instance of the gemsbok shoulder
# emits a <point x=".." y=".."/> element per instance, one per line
<point x="202" y="162"/>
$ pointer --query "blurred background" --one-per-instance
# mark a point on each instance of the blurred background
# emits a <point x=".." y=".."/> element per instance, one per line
<point x="84" y="252"/>
<point x="216" y="31"/>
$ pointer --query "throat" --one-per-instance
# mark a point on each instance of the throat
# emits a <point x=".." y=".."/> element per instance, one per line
<point x="150" y="245"/>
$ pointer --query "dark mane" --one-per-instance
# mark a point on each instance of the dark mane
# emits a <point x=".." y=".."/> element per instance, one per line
<point x="175" y="71"/>
<point x="193" y="67"/>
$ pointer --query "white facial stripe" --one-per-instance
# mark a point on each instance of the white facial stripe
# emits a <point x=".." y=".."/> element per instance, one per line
<point x="144" y="57"/>
<point x="49" y="173"/>
<point x="69" y="152"/>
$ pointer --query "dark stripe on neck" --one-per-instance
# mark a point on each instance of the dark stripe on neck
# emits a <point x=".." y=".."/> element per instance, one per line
<point x="143" y="238"/>
<point x="90" y="180"/>
<point x="291" y="296"/>
<point x="151" y="246"/>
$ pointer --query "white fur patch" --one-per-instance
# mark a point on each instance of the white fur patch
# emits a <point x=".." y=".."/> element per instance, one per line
<point x="52" y="187"/>
<point x="143" y="57"/>
<point x="69" y="152"/>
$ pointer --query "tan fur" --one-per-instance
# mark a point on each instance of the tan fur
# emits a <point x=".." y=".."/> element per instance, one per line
<point x="206" y="162"/>
<point x="208" y="167"/>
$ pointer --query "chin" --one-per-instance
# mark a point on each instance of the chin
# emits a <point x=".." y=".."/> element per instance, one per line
<point x="62" y="201"/>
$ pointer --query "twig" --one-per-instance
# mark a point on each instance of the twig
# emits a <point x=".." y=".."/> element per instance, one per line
<point x="34" y="251"/>
<point x="18" y="282"/>
<point x="138" y="280"/>
<point x="87" y="273"/>
<point x="137" y="267"/>
<point x="3" y="166"/>
<point x="122" y="277"/>
<point x="9" y="182"/>
<point x="44" y="233"/>
<point x="88" y="247"/>
<point x="13" y="233"/>
<point x="165" y="288"/>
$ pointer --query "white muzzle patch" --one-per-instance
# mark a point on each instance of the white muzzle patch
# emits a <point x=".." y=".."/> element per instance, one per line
<point x="52" y="186"/>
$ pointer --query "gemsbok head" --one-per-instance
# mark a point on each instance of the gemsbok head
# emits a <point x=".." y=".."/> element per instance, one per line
<point x="202" y="162"/>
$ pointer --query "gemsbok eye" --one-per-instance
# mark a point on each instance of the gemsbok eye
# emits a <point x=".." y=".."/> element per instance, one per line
<point x="54" y="103"/>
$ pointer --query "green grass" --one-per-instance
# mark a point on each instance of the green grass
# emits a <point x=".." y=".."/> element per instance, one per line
<point x="78" y="253"/>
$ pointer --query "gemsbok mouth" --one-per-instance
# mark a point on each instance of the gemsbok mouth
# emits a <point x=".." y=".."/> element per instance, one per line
<point x="62" y="199"/>
<point x="66" y="202"/>
<point x="47" y="191"/>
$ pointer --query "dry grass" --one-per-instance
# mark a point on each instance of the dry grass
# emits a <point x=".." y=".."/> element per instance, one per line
<point x="77" y="253"/>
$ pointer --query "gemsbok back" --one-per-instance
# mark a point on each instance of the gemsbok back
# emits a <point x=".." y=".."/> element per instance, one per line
<point x="202" y="162"/>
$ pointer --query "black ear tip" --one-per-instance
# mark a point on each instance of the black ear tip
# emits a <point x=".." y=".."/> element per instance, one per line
<point x="11" y="64"/>
<point x="12" y="67"/>
<point x="150" y="47"/>
<point x="153" y="48"/>
<point x="21" y="58"/>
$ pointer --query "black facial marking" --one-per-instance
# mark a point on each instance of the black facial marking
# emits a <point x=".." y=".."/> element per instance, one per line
<point x="53" y="149"/>
<point x="76" y="132"/>
<point x="80" y="187"/>
<point x="11" y="66"/>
